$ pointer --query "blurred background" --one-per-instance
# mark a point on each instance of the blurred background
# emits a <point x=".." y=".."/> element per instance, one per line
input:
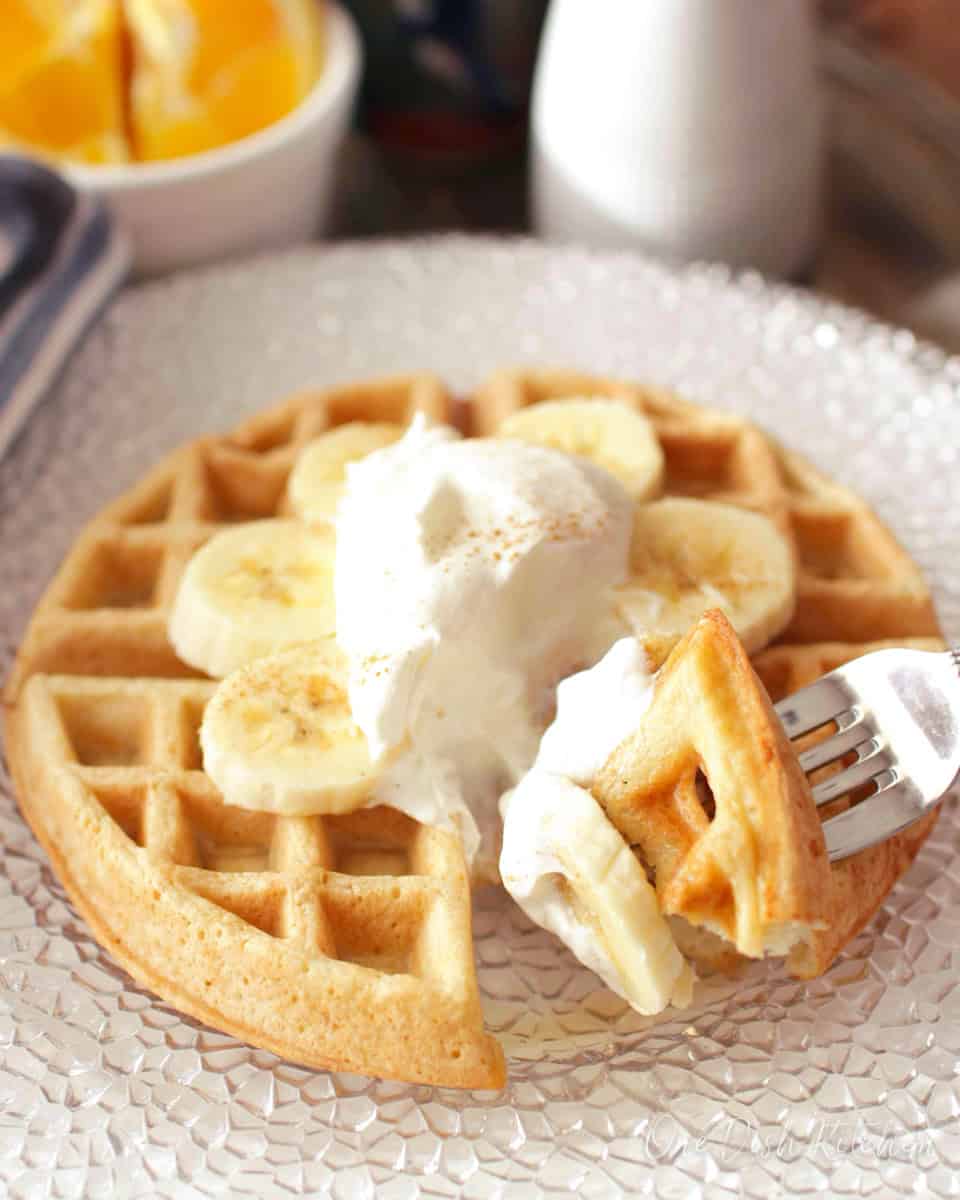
<point x="815" y="141"/>
<point x="889" y="75"/>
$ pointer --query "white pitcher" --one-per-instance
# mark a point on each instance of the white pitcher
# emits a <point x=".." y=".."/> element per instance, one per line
<point x="690" y="128"/>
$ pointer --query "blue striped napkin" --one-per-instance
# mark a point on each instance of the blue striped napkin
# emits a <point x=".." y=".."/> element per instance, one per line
<point x="61" y="258"/>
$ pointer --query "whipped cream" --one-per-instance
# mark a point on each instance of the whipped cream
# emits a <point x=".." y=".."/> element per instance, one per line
<point x="471" y="576"/>
<point x="551" y="819"/>
<point x="596" y="710"/>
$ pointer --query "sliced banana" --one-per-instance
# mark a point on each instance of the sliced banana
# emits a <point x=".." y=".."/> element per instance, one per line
<point x="278" y="735"/>
<point x="570" y="870"/>
<point x="251" y="591"/>
<point x="316" y="482"/>
<point x="610" y="434"/>
<point x="690" y="555"/>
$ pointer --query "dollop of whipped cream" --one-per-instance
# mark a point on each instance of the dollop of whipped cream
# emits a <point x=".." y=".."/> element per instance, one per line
<point x="471" y="576"/>
<point x="551" y="816"/>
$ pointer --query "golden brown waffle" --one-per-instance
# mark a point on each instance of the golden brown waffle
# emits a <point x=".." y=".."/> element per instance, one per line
<point x="710" y="795"/>
<point x="339" y="942"/>
<point x="345" y="942"/>
<point x="857" y="589"/>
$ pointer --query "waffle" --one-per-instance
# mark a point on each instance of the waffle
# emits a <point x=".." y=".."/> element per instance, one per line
<point x="710" y="796"/>
<point x="339" y="942"/>
<point x="857" y="591"/>
<point x="344" y="942"/>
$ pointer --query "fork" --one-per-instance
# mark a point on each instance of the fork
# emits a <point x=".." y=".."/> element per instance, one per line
<point x="899" y="712"/>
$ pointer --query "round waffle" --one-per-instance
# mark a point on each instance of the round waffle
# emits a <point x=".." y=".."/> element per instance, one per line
<point x="345" y="942"/>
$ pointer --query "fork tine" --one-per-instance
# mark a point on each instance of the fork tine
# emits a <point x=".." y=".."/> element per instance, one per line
<point x="879" y="817"/>
<point x="814" y="705"/>
<point x="872" y="765"/>
<point x="834" y="747"/>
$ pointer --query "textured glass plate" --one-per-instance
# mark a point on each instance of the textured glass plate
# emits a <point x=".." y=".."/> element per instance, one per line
<point x="846" y="1085"/>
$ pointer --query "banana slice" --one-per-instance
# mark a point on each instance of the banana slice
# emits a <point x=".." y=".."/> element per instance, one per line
<point x="690" y="555"/>
<point x="610" y="434"/>
<point x="251" y="591"/>
<point x="570" y="870"/>
<point x="278" y="735"/>
<point x="316" y="482"/>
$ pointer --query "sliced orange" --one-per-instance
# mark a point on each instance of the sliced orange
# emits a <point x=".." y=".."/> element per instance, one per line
<point x="62" y="86"/>
<point x="207" y="72"/>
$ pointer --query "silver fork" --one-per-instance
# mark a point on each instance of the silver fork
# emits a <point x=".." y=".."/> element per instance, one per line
<point x="899" y="711"/>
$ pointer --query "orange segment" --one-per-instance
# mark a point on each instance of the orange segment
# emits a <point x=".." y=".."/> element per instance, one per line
<point x="62" y="78"/>
<point x="204" y="73"/>
<point x="207" y="72"/>
<point x="221" y="42"/>
<point x="25" y="33"/>
<point x="238" y="101"/>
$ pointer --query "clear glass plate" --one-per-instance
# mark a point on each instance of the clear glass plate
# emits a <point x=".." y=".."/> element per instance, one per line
<point x="767" y="1086"/>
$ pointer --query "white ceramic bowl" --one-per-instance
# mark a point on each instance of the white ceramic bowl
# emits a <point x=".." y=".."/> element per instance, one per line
<point x="271" y="189"/>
